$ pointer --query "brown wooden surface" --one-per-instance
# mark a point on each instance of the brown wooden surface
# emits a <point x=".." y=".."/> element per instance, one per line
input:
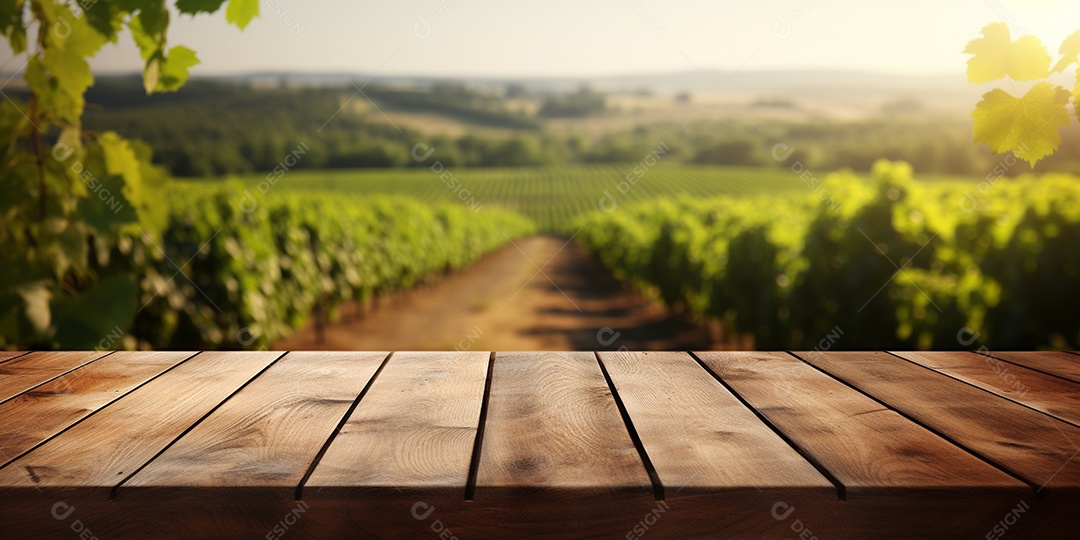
<point x="8" y="355"/>
<point x="268" y="433"/>
<point x="538" y="445"/>
<point x="101" y="450"/>
<point x="25" y="372"/>
<point x="848" y="432"/>
<point x="1033" y="446"/>
<point x="1051" y="395"/>
<point x="710" y="452"/>
<point x="34" y="416"/>
<point x="877" y="455"/>
<point x="554" y="439"/>
<point x="1061" y="364"/>
<point x="415" y="427"/>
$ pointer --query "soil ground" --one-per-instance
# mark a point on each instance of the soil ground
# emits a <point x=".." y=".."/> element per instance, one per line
<point x="539" y="293"/>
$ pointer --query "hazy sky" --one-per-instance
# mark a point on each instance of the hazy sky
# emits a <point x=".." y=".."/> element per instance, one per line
<point x="598" y="37"/>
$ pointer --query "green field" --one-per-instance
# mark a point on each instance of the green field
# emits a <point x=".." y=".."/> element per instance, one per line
<point x="551" y="196"/>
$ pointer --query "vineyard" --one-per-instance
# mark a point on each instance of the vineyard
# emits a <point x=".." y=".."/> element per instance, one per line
<point x="552" y="197"/>
<point x="896" y="264"/>
<point x="231" y="272"/>
<point x="258" y="271"/>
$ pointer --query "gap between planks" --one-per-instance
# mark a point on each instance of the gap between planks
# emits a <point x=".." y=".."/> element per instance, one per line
<point x="116" y="488"/>
<point x="93" y="412"/>
<point x="478" y="442"/>
<point x="1039" y="493"/>
<point x="998" y="393"/>
<point x="344" y="420"/>
<point x="650" y="469"/>
<point x="841" y="490"/>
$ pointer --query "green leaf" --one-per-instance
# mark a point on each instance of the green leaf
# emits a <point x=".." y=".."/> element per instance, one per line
<point x="106" y="18"/>
<point x="174" y="69"/>
<point x="154" y="19"/>
<point x="11" y="24"/>
<point x="110" y="202"/>
<point x="107" y="206"/>
<point x="89" y="319"/>
<point x="148" y="29"/>
<point x="1070" y="50"/>
<point x="69" y="143"/>
<point x="198" y="6"/>
<point x="61" y="75"/>
<point x="1026" y="126"/>
<point x="240" y="12"/>
<point x="119" y="157"/>
<point x="997" y="56"/>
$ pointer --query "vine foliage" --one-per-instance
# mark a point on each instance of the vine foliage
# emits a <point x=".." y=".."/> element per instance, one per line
<point x="81" y="211"/>
<point x="1025" y="125"/>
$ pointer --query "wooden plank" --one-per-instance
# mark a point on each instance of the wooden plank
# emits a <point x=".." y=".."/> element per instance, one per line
<point x="81" y="465"/>
<point x="242" y="465"/>
<point x="847" y="432"/>
<point x="414" y="428"/>
<point x="1061" y="364"/>
<point x="712" y="454"/>
<point x="8" y="355"/>
<point x="555" y="443"/>
<point x="886" y="463"/>
<point x="126" y="435"/>
<point x="1051" y="395"/>
<point x="409" y="440"/>
<point x="576" y="437"/>
<point x="1031" y="445"/>
<point x="25" y="372"/>
<point x="34" y="416"/>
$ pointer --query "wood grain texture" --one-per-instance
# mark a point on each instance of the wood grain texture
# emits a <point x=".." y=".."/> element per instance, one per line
<point x="242" y="464"/>
<point x="847" y="432"/>
<point x="883" y="460"/>
<point x="711" y="453"/>
<point x="268" y="433"/>
<point x="8" y="355"/>
<point x="25" y="372"/>
<point x="1031" y="445"/>
<point x="698" y="435"/>
<point x="1061" y="364"/>
<point x="100" y="451"/>
<point x="214" y="447"/>
<point x="555" y="444"/>
<point x="415" y="427"/>
<point x="575" y="437"/>
<point x="1051" y="395"/>
<point x="34" y="416"/>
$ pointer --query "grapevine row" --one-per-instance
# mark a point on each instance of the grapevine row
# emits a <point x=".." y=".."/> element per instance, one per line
<point x="890" y="263"/>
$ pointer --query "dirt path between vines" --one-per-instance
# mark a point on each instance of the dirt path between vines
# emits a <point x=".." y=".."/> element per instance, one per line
<point x="541" y="293"/>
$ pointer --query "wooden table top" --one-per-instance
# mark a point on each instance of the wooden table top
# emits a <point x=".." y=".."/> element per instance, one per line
<point x="462" y="445"/>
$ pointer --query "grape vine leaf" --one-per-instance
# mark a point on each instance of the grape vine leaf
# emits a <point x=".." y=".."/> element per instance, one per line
<point x="163" y="72"/>
<point x="1026" y="126"/>
<point x="105" y="17"/>
<point x="997" y="56"/>
<point x="174" y="68"/>
<point x="240" y="12"/>
<point x="11" y="24"/>
<point x="61" y="75"/>
<point x="1070" y="50"/>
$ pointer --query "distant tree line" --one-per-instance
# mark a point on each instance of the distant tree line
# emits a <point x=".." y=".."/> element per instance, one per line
<point x="211" y="128"/>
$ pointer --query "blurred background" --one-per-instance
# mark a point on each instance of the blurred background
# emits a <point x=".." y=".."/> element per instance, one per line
<point x="597" y="175"/>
